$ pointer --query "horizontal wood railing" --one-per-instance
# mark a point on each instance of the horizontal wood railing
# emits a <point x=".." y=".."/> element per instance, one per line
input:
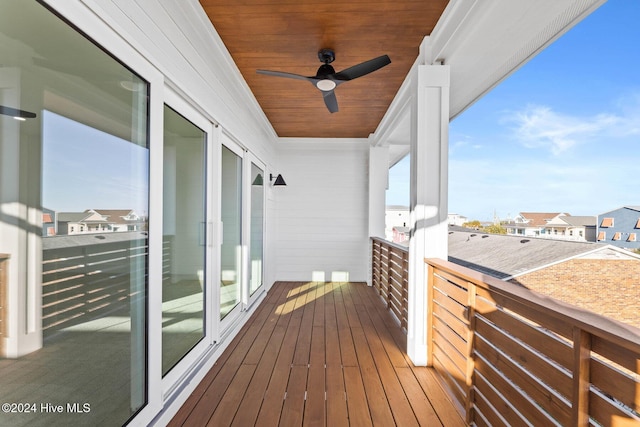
<point x="390" y="276"/>
<point x="512" y="357"/>
<point x="89" y="277"/>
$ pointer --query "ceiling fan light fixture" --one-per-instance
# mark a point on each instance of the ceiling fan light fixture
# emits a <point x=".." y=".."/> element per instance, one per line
<point x="326" y="85"/>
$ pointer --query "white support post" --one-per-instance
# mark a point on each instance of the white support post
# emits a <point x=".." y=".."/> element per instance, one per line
<point x="429" y="183"/>
<point x="20" y="221"/>
<point x="378" y="183"/>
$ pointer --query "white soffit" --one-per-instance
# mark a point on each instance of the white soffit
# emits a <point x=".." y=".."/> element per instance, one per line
<point x="491" y="39"/>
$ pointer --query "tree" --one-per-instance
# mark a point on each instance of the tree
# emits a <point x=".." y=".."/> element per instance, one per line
<point x="475" y="224"/>
<point x="495" y="229"/>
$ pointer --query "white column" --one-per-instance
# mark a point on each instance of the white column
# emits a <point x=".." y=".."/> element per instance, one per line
<point x="20" y="221"/>
<point x="429" y="176"/>
<point x="378" y="183"/>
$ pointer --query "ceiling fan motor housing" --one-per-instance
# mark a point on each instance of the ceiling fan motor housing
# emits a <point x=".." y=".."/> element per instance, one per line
<point x="327" y="56"/>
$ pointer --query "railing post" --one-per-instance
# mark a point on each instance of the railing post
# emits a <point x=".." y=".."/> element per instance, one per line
<point x="430" y="273"/>
<point x="581" y="377"/>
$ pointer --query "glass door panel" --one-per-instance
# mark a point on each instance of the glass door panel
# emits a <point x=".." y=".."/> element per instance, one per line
<point x="74" y="196"/>
<point x="231" y="215"/>
<point x="256" y="247"/>
<point x="184" y="237"/>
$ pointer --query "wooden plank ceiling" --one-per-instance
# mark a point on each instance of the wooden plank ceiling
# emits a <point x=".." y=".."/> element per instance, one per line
<point x="286" y="35"/>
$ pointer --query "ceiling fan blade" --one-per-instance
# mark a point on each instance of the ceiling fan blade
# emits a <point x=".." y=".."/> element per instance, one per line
<point x="363" y="68"/>
<point x="330" y="100"/>
<point x="285" y="75"/>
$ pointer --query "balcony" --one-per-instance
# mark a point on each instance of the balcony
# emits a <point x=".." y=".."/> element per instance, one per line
<point x="332" y="354"/>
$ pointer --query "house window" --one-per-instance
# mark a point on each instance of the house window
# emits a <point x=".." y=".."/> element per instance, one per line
<point x="77" y="100"/>
<point x="638" y="223"/>
<point x="617" y="236"/>
<point x="632" y="237"/>
<point x="607" y="222"/>
<point x="602" y="235"/>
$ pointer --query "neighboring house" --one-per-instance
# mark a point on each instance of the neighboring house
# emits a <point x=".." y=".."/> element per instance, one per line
<point x="568" y="227"/>
<point x="401" y="235"/>
<point x="620" y="227"/>
<point x="49" y="223"/>
<point x="531" y="224"/>
<point x="595" y="277"/>
<point x="455" y="219"/>
<point x="395" y="216"/>
<point x="72" y="223"/>
<point x="121" y="219"/>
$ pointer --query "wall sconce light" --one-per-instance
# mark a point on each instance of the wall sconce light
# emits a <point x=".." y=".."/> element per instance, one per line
<point x="16" y="114"/>
<point x="279" y="179"/>
<point x="258" y="180"/>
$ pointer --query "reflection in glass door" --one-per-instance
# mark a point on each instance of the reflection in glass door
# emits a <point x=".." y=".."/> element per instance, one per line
<point x="184" y="238"/>
<point x="231" y="249"/>
<point x="74" y="200"/>
<point x="256" y="229"/>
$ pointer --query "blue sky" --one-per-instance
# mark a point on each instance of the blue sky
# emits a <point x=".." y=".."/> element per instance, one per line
<point x="85" y="168"/>
<point x="562" y="134"/>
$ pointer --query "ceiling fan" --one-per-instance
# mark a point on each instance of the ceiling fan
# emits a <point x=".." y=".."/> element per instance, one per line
<point x="326" y="78"/>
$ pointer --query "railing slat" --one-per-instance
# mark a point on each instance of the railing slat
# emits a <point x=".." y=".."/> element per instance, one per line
<point x="539" y="392"/>
<point x="493" y="406"/>
<point x="610" y="380"/>
<point x="530" y="360"/>
<point x="511" y="394"/>
<point x="609" y="414"/>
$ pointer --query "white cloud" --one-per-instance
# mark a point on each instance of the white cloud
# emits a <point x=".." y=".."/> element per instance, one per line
<point x="541" y="127"/>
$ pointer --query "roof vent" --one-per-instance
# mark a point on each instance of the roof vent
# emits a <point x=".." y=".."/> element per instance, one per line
<point x="485" y="236"/>
<point x="473" y="235"/>
<point x="524" y="241"/>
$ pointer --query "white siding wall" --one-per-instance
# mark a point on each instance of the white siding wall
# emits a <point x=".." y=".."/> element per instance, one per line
<point x="322" y="213"/>
<point x="176" y="38"/>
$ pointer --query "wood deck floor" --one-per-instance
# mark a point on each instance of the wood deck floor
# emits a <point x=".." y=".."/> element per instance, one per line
<point x="318" y="354"/>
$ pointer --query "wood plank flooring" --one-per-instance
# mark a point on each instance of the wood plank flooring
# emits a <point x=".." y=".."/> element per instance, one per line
<point x="318" y="354"/>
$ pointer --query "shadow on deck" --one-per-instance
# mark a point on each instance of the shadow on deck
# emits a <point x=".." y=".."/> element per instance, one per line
<point x="318" y="354"/>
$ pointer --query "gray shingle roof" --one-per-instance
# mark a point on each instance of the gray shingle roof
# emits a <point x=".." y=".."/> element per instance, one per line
<point x="579" y="221"/>
<point x="503" y="256"/>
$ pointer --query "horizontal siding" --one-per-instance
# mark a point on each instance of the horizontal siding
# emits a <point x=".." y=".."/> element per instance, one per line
<point x="322" y="213"/>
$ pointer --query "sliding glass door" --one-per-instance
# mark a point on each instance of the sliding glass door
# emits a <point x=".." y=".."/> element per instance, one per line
<point x="185" y="239"/>
<point x="242" y="214"/>
<point x="256" y="221"/>
<point x="74" y="203"/>
<point x="231" y="250"/>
